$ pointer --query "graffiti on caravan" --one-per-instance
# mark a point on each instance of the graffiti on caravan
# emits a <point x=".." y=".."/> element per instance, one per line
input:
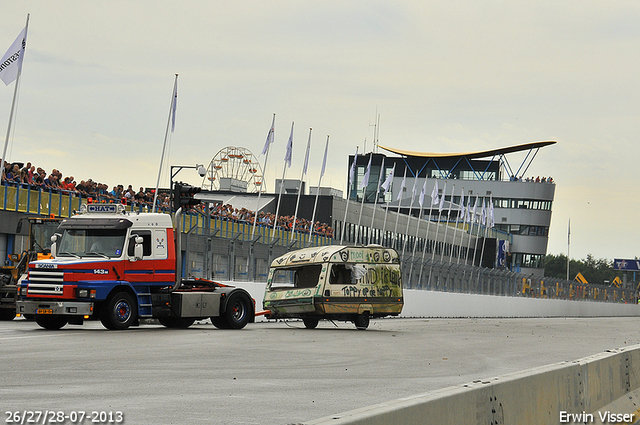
<point x="379" y="275"/>
<point x="354" y="291"/>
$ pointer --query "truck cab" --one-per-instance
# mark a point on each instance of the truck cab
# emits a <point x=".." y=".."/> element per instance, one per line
<point x="350" y="283"/>
<point x="120" y="267"/>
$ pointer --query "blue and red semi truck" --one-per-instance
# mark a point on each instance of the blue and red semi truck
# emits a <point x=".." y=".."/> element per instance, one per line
<point x="120" y="267"/>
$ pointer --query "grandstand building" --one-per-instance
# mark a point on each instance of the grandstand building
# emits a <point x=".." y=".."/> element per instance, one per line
<point x="522" y="206"/>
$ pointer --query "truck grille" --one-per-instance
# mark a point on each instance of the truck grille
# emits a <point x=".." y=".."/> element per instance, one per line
<point x="46" y="282"/>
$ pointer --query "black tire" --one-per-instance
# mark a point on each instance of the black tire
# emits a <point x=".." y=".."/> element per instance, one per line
<point x="362" y="321"/>
<point x="220" y="322"/>
<point x="7" y="314"/>
<point x="237" y="314"/>
<point x="176" y="322"/>
<point x="310" y="322"/>
<point x="119" y="312"/>
<point x="52" y="323"/>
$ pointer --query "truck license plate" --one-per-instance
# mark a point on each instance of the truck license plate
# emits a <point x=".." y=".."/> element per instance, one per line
<point x="44" y="311"/>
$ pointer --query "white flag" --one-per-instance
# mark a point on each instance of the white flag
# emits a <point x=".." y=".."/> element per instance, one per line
<point x="174" y="106"/>
<point x="484" y="213"/>
<point x="402" y="186"/>
<point x="269" y="136"/>
<point x="306" y="155"/>
<point x="467" y="211"/>
<point x="287" y="155"/>
<point x="434" y="194"/>
<point x="491" y="220"/>
<point x="473" y="213"/>
<point x="11" y="63"/>
<point x="324" y="161"/>
<point x="444" y="191"/>
<point x="353" y="169"/>
<point x="365" y="179"/>
<point x="461" y="210"/>
<point x="424" y="189"/>
<point x="387" y="182"/>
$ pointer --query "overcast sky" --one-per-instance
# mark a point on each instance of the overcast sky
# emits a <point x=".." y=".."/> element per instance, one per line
<point x="443" y="76"/>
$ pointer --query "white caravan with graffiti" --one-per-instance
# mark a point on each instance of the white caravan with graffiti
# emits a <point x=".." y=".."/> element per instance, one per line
<point x="349" y="283"/>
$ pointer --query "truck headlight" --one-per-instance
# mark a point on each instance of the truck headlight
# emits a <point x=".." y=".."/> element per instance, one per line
<point x="83" y="293"/>
<point x="23" y="290"/>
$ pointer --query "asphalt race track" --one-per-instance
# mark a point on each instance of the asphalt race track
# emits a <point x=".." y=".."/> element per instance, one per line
<point x="274" y="372"/>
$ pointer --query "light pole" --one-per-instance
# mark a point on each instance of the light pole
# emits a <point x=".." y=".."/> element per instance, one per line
<point x="201" y="171"/>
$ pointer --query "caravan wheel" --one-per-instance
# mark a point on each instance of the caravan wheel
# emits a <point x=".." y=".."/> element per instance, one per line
<point x="362" y="321"/>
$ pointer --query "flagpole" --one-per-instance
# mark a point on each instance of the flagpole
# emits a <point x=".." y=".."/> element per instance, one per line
<point x="386" y="210"/>
<point x="471" y="221"/>
<point x="434" y="200"/>
<point x="406" y="230"/>
<point x="568" y="246"/>
<point x="399" y="199"/>
<point x="174" y="98"/>
<point x="454" y="236"/>
<point x="270" y="137"/>
<point x="464" y="221"/>
<point x="284" y="170"/>
<point x="13" y="102"/>
<point x="346" y="208"/>
<point x="476" y="219"/>
<point x="486" y="228"/>
<point x="365" y="182"/>
<point x="315" y="204"/>
<point x="415" y="243"/>
<point x="447" y="224"/>
<point x="433" y="253"/>
<point x="375" y="201"/>
<point x="304" y="170"/>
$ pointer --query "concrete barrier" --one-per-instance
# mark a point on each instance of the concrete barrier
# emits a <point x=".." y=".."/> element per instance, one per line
<point x="419" y="303"/>
<point x="599" y="389"/>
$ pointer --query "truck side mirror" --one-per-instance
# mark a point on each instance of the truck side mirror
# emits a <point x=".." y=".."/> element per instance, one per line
<point x="137" y="248"/>
<point x="54" y="245"/>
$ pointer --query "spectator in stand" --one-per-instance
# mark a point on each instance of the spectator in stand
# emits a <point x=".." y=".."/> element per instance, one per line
<point x="140" y="197"/>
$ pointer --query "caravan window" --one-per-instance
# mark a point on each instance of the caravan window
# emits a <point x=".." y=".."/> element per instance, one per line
<point x="339" y="275"/>
<point x="296" y="277"/>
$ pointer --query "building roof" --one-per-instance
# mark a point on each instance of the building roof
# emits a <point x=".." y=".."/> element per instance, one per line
<point x="479" y="154"/>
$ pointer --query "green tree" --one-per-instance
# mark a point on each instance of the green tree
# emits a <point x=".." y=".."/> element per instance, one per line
<point x="597" y="271"/>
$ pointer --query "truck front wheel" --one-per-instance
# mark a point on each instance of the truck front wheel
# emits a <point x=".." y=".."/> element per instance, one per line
<point x="119" y="312"/>
<point x="51" y="322"/>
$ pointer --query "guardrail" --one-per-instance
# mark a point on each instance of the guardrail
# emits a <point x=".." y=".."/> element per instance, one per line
<point x="604" y="388"/>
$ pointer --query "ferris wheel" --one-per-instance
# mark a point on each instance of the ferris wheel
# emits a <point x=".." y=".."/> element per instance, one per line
<point x="235" y="163"/>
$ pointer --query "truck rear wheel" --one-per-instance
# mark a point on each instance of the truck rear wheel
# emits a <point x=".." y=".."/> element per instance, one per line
<point x="237" y="313"/>
<point x="362" y="321"/>
<point x="51" y="322"/>
<point x="176" y="322"/>
<point x="119" y="312"/>
<point x="310" y="322"/>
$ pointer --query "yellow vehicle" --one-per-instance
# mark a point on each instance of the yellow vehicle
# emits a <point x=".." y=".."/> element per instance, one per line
<point x="40" y="231"/>
<point x="350" y="283"/>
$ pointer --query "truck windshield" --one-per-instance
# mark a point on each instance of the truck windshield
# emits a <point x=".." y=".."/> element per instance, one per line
<point x="106" y="243"/>
<point x="296" y="277"/>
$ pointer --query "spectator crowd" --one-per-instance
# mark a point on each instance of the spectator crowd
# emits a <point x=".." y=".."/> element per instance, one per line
<point x="30" y="176"/>
<point x="229" y="213"/>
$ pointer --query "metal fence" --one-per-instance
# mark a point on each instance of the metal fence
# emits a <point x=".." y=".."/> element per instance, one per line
<point x="238" y="259"/>
<point x="228" y="250"/>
